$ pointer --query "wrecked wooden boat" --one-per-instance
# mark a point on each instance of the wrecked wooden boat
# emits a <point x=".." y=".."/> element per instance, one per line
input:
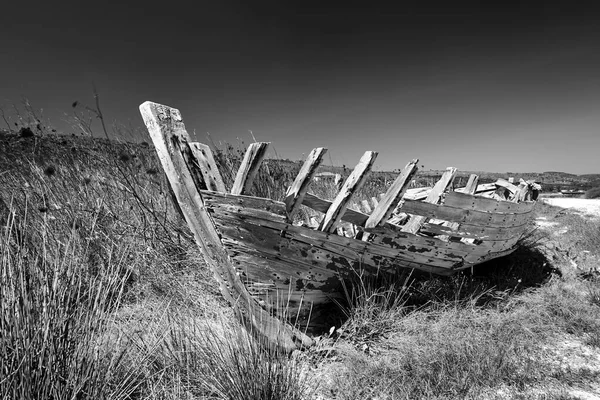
<point x="282" y="269"/>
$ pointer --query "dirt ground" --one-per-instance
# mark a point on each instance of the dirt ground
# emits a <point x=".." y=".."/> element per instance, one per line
<point x="571" y="353"/>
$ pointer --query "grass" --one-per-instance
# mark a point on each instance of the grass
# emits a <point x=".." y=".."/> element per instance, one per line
<point x="104" y="295"/>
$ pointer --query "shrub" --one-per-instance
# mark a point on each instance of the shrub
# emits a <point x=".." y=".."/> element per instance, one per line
<point x="216" y="359"/>
<point x="593" y="193"/>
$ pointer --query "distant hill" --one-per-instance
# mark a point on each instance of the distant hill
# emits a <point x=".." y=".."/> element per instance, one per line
<point x="550" y="180"/>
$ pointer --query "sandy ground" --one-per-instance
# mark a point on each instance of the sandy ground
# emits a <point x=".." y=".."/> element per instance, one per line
<point x="586" y="207"/>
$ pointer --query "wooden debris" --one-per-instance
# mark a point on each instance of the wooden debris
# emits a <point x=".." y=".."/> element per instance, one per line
<point x="392" y="197"/>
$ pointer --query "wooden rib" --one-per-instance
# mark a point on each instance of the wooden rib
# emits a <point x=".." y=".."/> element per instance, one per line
<point x="170" y="138"/>
<point x="250" y="164"/>
<point x="471" y="186"/>
<point x="414" y="224"/>
<point x="208" y="167"/>
<point x="392" y="197"/>
<point x="353" y="183"/>
<point x="295" y="194"/>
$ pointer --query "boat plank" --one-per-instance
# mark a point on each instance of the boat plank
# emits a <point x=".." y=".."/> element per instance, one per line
<point x="390" y="265"/>
<point x="470" y="219"/>
<point x="249" y="168"/>
<point x="259" y="203"/>
<point x="273" y="240"/>
<point x="484" y="234"/>
<point x="354" y="182"/>
<point x="466" y="216"/>
<point x="295" y="193"/>
<point x="468" y="202"/>
<point x="383" y="243"/>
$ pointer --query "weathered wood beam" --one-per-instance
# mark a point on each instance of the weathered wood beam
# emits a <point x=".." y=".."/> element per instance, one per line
<point x="249" y="168"/>
<point x="506" y="184"/>
<point x="392" y="197"/>
<point x="354" y="182"/>
<point x="414" y="223"/>
<point x="471" y="186"/>
<point x="295" y="193"/>
<point x="207" y="165"/>
<point x="170" y="138"/>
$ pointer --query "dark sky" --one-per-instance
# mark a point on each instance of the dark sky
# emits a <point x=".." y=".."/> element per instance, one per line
<point x="497" y="89"/>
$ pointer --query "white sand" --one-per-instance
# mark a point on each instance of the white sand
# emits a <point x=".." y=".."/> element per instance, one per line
<point x="589" y="207"/>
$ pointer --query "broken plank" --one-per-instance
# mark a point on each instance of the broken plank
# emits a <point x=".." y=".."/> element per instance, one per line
<point x="392" y="197"/>
<point x="295" y="194"/>
<point x="249" y="168"/>
<point x="506" y="184"/>
<point x="354" y="182"/>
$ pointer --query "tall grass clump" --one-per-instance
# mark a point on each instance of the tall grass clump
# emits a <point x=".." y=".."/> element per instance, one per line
<point x="216" y="358"/>
<point x="53" y="313"/>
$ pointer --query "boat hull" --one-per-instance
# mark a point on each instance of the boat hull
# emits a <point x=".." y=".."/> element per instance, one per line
<point x="299" y="273"/>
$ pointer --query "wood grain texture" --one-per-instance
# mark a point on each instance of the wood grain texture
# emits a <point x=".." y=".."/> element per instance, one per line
<point x="249" y="168"/>
<point x="414" y="224"/>
<point x="478" y="203"/>
<point x="207" y="165"/>
<point x="354" y="182"/>
<point x="392" y="197"/>
<point x="295" y="193"/>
